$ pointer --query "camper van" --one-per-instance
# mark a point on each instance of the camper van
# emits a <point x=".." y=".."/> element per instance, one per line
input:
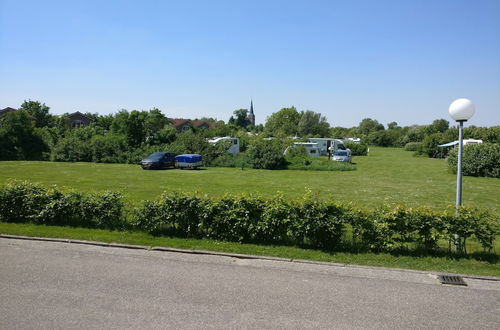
<point x="327" y="146"/>
<point x="235" y="143"/>
<point x="311" y="148"/>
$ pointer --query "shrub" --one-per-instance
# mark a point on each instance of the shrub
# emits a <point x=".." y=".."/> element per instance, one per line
<point x="477" y="160"/>
<point x="277" y="220"/>
<point x="26" y="202"/>
<point x="413" y="146"/>
<point x="239" y="160"/>
<point x="174" y="214"/>
<point x="319" y="224"/>
<point x="471" y="222"/>
<point x="267" y="154"/>
<point x="21" y="201"/>
<point x="357" y="149"/>
<point x="232" y="218"/>
<point x="430" y="146"/>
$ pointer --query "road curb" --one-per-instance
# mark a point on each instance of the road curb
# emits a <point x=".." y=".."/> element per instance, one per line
<point x="237" y="255"/>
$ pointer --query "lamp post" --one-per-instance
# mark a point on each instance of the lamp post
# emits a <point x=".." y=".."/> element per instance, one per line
<point x="460" y="110"/>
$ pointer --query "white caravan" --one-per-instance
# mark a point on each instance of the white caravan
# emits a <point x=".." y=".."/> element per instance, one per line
<point x="311" y="148"/>
<point x="235" y="143"/>
<point x="328" y="146"/>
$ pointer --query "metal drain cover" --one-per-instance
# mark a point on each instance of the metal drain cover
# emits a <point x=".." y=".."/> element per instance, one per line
<point x="452" y="280"/>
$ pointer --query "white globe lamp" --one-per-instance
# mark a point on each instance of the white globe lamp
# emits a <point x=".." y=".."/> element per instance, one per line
<point x="461" y="110"/>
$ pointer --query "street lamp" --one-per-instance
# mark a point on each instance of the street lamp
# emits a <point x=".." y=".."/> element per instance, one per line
<point x="460" y="110"/>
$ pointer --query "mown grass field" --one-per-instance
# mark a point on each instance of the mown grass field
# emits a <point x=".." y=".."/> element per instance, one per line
<point x="386" y="176"/>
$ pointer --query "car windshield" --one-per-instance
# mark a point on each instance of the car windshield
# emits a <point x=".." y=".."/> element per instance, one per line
<point x="156" y="155"/>
<point x="341" y="153"/>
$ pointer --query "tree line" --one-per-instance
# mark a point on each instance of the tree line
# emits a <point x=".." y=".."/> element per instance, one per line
<point x="33" y="133"/>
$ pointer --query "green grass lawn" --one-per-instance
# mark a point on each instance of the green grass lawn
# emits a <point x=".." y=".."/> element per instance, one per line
<point x="386" y="176"/>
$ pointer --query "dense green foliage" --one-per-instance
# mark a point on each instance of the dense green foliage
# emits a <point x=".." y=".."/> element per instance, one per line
<point x="243" y="218"/>
<point x="357" y="149"/>
<point x="267" y="154"/>
<point x="477" y="160"/>
<point x="25" y="202"/>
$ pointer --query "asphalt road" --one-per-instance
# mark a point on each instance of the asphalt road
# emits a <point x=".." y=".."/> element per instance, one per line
<point x="47" y="285"/>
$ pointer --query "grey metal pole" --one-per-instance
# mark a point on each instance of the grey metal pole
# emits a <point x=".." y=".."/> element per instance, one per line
<point x="459" y="164"/>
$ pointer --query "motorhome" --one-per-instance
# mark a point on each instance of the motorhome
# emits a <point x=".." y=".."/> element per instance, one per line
<point x="235" y="143"/>
<point x="311" y="148"/>
<point x="328" y="146"/>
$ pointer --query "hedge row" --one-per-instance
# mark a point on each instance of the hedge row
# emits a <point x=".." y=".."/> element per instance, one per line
<point x="308" y="221"/>
<point x="25" y="202"/>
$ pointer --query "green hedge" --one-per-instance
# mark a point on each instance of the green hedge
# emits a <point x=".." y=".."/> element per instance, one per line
<point x="26" y="202"/>
<point x="309" y="221"/>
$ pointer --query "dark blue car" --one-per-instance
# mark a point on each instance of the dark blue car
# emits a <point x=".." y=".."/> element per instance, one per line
<point x="158" y="160"/>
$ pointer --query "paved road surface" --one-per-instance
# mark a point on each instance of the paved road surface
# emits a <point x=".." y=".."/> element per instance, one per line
<point x="47" y="285"/>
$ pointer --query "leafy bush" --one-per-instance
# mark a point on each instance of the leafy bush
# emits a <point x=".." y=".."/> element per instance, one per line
<point x="267" y="154"/>
<point x="232" y="218"/>
<point x="430" y="146"/>
<point x="477" y="160"/>
<point x="357" y="149"/>
<point x="413" y="146"/>
<point x="239" y="160"/>
<point x="177" y="214"/>
<point x="26" y="202"/>
<point x="319" y="224"/>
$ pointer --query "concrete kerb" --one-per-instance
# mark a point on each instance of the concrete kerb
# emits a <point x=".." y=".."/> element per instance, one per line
<point x="237" y="255"/>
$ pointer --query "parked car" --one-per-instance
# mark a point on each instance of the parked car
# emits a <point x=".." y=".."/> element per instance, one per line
<point x="158" y="160"/>
<point x="342" y="156"/>
<point x="190" y="161"/>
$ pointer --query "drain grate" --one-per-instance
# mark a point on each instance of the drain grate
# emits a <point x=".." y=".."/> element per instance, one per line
<point x="452" y="280"/>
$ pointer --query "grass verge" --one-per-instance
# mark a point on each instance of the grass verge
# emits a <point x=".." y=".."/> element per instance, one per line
<point x="438" y="264"/>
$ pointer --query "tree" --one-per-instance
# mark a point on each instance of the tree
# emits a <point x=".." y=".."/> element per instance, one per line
<point x="38" y="111"/>
<point x="283" y="123"/>
<point x="368" y="125"/>
<point x="267" y="154"/>
<point x="313" y="124"/>
<point x="240" y="118"/>
<point x="18" y="139"/>
<point x="439" y="126"/>
<point x="393" y="125"/>
<point x="154" y="122"/>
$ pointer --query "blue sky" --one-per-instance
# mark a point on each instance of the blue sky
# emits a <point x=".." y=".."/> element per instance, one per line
<point x="402" y="61"/>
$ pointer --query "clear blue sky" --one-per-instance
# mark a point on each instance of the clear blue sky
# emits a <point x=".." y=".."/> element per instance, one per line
<point x="402" y="61"/>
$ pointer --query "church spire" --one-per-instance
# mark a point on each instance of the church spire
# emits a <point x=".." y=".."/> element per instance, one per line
<point x="251" y="115"/>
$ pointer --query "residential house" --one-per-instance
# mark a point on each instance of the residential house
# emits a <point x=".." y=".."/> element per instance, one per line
<point x="78" y="119"/>
<point x="182" y="125"/>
